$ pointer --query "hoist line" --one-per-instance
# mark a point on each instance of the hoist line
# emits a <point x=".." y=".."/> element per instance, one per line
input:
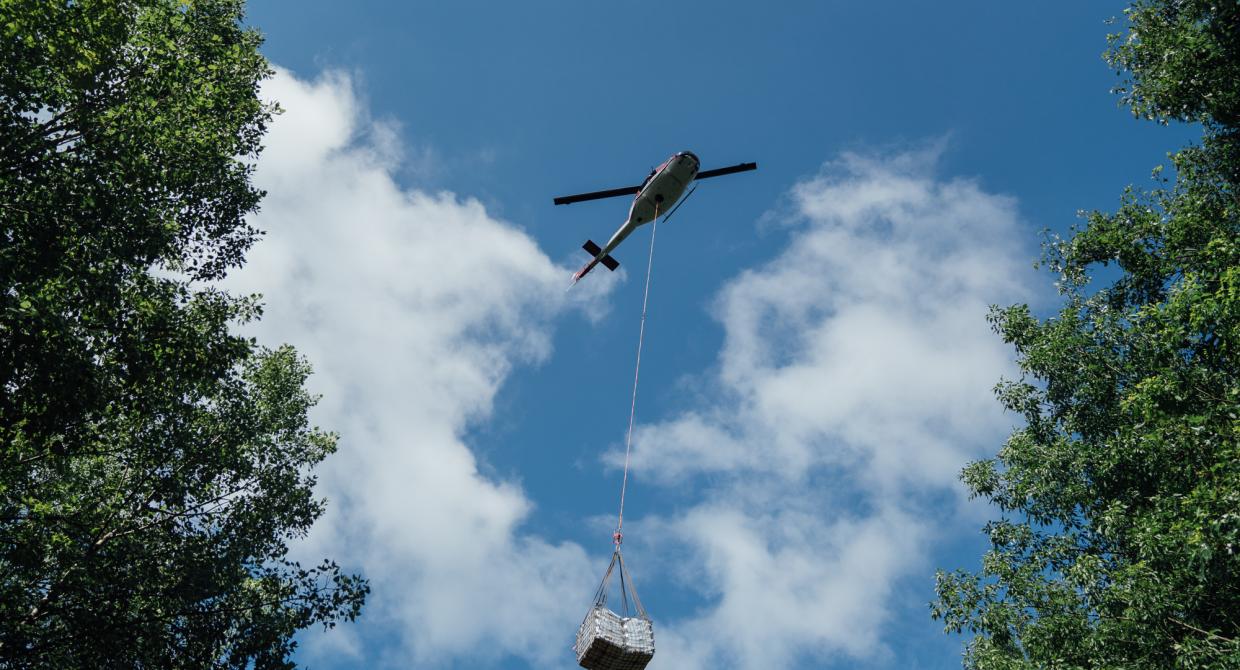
<point x="618" y="537"/>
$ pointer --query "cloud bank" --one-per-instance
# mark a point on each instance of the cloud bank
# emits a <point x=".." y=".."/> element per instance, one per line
<point x="853" y="384"/>
<point x="413" y="307"/>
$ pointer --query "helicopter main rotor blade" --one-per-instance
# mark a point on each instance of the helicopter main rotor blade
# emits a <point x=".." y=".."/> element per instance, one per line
<point x="632" y="190"/>
<point x="596" y="195"/>
<point x="719" y="172"/>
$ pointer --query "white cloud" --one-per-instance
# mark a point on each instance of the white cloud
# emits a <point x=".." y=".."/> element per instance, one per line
<point x="413" y="307"/>
<point x="786" y="581"/>
<point x="853" y="384"/>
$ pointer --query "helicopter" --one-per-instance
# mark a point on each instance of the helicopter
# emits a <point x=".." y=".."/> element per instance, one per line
<point x="659" y="195"/>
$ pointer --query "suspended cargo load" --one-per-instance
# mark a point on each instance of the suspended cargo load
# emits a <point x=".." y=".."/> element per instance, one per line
<point x="609" y="641"/>
<point x="606" y="641"/>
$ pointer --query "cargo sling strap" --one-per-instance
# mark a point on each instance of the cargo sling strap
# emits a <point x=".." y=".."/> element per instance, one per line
<point x="627" y="587"/>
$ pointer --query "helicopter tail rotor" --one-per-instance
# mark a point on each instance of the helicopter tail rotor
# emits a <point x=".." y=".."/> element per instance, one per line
<point x="594" y="250"/>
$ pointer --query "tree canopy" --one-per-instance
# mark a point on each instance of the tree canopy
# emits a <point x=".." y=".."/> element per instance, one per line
<point x="1119" y="544"/>
<point x="155" y="464"/>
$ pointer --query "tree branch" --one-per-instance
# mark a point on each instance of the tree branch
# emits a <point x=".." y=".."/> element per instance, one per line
<point x="1203" y="632"/>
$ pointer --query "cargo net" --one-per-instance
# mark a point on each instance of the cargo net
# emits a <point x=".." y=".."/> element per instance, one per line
<point x="610" y="641"/>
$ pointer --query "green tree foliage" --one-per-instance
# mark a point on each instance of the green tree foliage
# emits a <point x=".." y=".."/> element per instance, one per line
<point x="1120" y="541"/>
<point x="154" y="465"/>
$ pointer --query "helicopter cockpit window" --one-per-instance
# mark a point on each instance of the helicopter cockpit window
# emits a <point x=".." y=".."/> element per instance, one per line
<point x="647" y="180"/>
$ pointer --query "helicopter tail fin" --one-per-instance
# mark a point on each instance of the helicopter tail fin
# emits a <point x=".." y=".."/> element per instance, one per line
<point x="594" y="250"/>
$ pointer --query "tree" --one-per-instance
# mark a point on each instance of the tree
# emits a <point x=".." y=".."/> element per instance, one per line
<point x="155" y="465"/>
<point x="1119" y="545"/>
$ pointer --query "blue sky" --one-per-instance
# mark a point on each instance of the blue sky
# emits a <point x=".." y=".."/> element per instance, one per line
<point x="817" y="364"/>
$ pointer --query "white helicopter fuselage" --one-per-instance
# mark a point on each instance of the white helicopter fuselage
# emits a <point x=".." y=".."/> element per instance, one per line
<point x="665" y="185"/>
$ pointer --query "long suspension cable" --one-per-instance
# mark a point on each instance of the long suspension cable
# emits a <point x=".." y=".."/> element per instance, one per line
<point x="618" y="537"/>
